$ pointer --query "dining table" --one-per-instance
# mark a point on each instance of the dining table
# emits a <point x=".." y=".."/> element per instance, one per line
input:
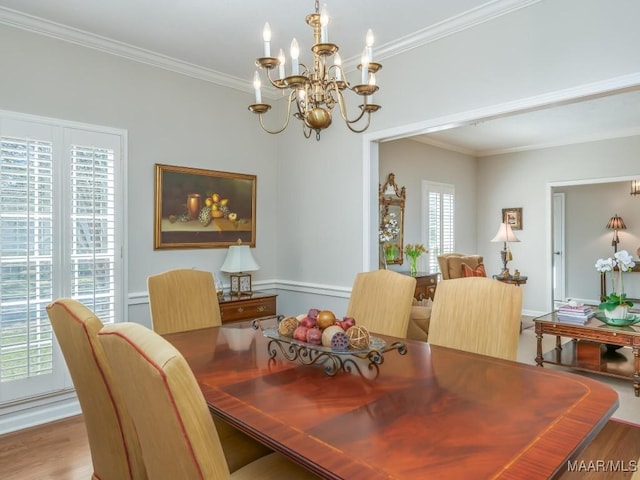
<point x="417" y="412"/>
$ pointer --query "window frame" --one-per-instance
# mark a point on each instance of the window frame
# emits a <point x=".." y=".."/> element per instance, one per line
<point x="63" y="135"/>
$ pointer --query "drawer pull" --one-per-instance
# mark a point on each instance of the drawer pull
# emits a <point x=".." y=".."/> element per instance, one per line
<point x="261" y="308"/>
<point x="240" y="310"/>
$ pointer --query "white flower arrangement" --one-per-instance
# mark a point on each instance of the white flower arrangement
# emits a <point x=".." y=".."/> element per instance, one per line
<point x="390" y="229"/>
<point x="624" y="262"/>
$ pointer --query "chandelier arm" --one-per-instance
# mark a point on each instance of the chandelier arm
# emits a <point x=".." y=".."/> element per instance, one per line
<point x="279" y="84"/>
<point x="287" y="118"/>
<point x="355" y="130"/>
<point x="343" y="112"/>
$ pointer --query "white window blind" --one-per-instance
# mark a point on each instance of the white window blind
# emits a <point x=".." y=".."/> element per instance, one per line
<point x="438" y="220"/>
<point x="26" y="257"/>
<point x="61" y="230"/>
<point x="93" y="247"/>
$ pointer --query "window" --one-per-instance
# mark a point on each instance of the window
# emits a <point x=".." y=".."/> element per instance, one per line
<point x="60" y="231"/>
<point x="438" y="213"/>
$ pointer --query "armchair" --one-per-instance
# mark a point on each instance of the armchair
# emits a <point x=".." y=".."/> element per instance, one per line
<point x="451" y="264"/>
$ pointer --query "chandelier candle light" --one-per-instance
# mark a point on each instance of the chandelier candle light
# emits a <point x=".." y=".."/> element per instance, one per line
<point x="316" y="89"/>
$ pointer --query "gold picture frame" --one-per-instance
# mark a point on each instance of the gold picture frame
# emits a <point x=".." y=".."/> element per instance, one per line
<point x="512" y="217"/>
<point x="181" y="219"/>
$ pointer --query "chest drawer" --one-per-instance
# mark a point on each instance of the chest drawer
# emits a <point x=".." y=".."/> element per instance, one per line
<point x="247" y="308"/>
<point x="426" y="286"/>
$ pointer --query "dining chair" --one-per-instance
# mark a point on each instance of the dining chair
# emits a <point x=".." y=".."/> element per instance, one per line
<point x="478" y="315"/>
<point x="381" y="301"/>
<point x="183" y="299"/>
<point x="177" y="434"/>
<point x="186" y="299"/>
<point x="114" y="446"/>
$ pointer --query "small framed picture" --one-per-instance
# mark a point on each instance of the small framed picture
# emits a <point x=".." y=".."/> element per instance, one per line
<point x="512" y="217"/>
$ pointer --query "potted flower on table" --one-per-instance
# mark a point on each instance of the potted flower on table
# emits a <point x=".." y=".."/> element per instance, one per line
<point x="413" y="252"/>
<point x="615" y="305"/>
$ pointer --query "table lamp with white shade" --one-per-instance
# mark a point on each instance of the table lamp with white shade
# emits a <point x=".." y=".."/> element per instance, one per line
<point x="505" y="235"/>
<point x="238" y="262"/>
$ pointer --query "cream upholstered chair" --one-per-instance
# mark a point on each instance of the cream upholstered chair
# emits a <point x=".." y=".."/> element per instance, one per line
<point x="181" y="300"/>
<point x="451" y="264"/>
<point x="185" y="299"/>
<point x="115" y="451"/>
<point x="419" y="320"/>
<point x="174" y="425"/>
<point x="478" y="315"/>
<point x="381" y="301"/>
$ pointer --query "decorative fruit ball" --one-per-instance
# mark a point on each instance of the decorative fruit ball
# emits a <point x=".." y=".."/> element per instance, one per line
<point x="328" y="334"/>
<point x="325" y="319"/>
<point x="359" y="337"/>
<point x="287" y="326"/>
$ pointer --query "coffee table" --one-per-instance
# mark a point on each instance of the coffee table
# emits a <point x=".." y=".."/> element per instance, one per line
<point x="591" y="347"/>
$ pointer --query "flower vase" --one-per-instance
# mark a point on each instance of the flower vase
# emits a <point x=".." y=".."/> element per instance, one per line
<point x="620" y="312"/>
<point x="413" y="265"/>
<point x="382" y="258"/>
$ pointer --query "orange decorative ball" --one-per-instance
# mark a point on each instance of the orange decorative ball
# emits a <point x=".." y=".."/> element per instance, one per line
<point x="325" y="319"/>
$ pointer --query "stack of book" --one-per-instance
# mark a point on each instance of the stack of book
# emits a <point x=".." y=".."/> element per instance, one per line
<point x="575" y="313"/>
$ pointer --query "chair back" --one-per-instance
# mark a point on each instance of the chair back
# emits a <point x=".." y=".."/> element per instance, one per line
<point x="381" y="301"/>
<point x="174" y="425"/>
<point x="115" y="451"/>
<point x="451" y="264"/>
<point x="181" y="300"/>
<point x="478" y="315"/>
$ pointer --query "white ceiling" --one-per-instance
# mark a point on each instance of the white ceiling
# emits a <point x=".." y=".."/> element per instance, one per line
<point x="219" y="41"/>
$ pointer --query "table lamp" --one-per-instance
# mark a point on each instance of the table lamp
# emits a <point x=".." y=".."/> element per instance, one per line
<point x="239" y="260"/>
<point x="505" y="234"/>
<point x="616" y="223"/>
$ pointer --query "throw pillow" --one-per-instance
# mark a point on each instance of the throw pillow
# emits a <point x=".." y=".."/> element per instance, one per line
<point x="479" y="271"/>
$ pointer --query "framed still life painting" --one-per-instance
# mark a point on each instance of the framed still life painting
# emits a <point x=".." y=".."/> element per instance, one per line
<point x="197" y="208"/>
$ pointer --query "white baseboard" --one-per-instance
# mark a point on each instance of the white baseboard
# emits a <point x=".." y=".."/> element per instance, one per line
<point x="34" y="412"/>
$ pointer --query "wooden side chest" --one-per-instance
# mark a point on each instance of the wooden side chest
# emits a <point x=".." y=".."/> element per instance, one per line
<point x="237" y="308"/>
<point x="426" y="284"/>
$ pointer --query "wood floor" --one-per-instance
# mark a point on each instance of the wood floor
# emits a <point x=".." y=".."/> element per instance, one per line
<point x="59" y="451"/>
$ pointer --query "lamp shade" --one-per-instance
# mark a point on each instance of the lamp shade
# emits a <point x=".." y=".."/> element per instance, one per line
<point x="616" y="223"/>
<point x="505" y="234"/>
<point x="239" y="259"/>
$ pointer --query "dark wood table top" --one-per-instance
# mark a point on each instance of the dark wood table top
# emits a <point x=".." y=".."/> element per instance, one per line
<point x="432" y="413"/>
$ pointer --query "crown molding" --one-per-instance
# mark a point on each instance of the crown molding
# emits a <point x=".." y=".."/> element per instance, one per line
<point x="471" y="18"/>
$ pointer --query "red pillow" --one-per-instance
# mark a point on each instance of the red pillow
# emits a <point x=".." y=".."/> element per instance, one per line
<point x="479" y="271"/>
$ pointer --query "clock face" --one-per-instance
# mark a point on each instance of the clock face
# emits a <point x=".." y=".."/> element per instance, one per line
<point x="245" y="283"/>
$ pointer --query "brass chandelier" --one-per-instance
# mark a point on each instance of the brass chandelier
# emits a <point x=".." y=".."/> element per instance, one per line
<point x="317" y="90"/>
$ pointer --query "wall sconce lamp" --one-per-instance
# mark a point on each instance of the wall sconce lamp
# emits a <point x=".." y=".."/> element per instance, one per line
<point x="504" y="235"/>
<point x="238" y="261"/>
<point x="635" y="187"/>
<point x="616" y="223"/>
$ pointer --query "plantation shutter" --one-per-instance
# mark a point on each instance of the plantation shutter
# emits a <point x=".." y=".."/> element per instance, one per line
<point x="61" y="231"/>
<point x="26" y="257"/>
<point x="438" y="221"/>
